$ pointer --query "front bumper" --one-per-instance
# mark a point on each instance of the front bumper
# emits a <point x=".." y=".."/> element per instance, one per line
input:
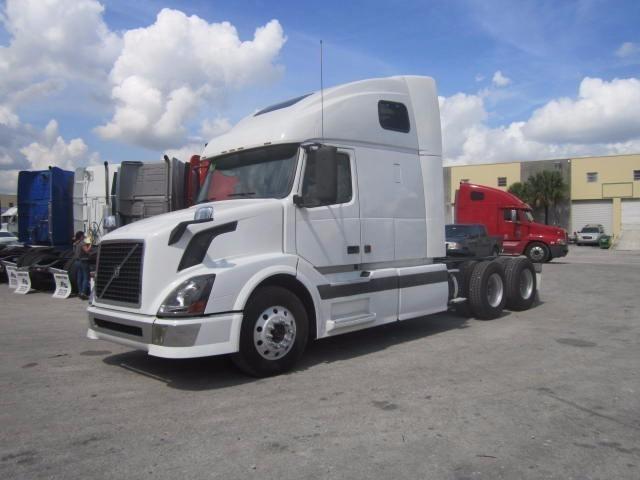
<point x="558" y="250"/>
<point x="588" y="241"/>
<point x="168" y="338"/>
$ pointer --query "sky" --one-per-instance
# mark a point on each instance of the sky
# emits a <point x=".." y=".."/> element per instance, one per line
<point x="87" y="81"/>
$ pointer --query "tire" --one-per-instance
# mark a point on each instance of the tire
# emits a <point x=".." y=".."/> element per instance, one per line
<point x="274" y="307"/>
<point x="538" y="252"/>
<point x="466" y="269"/>
<point x="520" y="284"/>
<point x="487" y="290"/>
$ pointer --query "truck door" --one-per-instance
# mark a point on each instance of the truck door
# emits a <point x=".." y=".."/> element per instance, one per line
<point x="329" y="235"/>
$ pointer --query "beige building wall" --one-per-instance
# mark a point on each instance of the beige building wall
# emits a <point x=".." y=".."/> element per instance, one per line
<point x="614" y="177"/>
<point x="484" y="175"/>
<point x="603" y="178"/>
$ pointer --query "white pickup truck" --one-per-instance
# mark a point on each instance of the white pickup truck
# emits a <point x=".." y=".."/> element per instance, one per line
<point x="318" y="216"/>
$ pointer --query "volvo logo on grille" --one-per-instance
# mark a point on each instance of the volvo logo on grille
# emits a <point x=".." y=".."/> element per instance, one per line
<point x="116" y="272"/>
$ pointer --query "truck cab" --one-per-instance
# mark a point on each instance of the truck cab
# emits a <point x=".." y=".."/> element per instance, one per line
<point x="507" y="216"/>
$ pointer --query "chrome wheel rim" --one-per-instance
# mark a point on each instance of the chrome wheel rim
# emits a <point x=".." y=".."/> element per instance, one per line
<point x="274" y="332"/>
<point x="537" y="253"/>
<point x="495" y="290"/>
<point x="526" y="283"/>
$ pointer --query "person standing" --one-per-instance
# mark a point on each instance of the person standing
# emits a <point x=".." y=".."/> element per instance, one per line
<point x="81" y="249"/>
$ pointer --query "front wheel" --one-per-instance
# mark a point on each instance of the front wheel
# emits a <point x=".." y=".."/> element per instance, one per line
<point x="538" y="252"/>
<point x="274" y="332"/>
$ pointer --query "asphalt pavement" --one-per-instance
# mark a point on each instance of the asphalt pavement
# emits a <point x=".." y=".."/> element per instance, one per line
<point x="553" y="392"/>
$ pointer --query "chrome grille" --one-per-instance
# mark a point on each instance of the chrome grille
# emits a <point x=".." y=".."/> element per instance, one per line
<point x="119" y="273"/>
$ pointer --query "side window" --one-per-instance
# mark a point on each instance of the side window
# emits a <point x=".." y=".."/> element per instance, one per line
<point x="393" y="116"/>
<point x="509" y="215"/>
<point x="345" y="191"/>
<point x="476" y="196"/>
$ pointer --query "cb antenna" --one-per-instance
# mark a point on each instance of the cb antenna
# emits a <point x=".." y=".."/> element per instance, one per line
<point x="321" y="97"/>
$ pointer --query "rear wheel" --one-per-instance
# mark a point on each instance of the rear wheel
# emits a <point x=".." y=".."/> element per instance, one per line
<point x="487" y="290"/>
<point x="538" y="252"/>
<point x="274" y="332"/>
<point x="520" y="277"/>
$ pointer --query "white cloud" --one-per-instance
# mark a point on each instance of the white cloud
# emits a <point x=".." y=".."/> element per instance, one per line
<point x="166" y="72"/>
<point x="22" y="147"/>
<point x="603" y="112"/>
<point x="52" y="150"/>
<point x="602" y="120"/>
<point x="627" y="49"/>
<point x="9" y="181"/>
<point x="499" y="80"/>
<point x="479" y="77"/>
<point x="59" y="39"/>
<point x="214" y="128"/>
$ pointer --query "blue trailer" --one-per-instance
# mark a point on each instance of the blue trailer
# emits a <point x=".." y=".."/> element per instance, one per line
<point x="45" y="203"/>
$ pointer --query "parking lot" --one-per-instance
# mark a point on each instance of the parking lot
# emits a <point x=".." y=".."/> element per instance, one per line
<point x="548" y="393"/>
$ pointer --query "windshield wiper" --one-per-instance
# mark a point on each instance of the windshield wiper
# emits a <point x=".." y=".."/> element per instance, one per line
<point x="241" y="194"/>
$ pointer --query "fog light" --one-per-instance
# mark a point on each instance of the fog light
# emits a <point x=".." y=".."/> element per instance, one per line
<point x="158" y="334"/>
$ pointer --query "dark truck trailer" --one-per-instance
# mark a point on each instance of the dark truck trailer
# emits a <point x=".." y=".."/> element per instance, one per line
<point x="45" y="203"/>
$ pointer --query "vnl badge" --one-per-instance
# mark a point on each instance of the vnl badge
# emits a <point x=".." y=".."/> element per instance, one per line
<point x="24" y="282"/>
<point x="63" y="284"/>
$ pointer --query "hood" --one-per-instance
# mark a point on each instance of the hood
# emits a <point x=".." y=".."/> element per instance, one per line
<point x="223" y="211"/>
<point x="256" y="230"/>
<point x="550" y="230"/>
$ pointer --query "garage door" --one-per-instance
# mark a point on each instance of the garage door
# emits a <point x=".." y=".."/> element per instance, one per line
<point x="630" y="214"/>
<point x="600" y="211"/>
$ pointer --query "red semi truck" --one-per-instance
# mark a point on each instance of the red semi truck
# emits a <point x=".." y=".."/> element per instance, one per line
<point x="507" y="216"/>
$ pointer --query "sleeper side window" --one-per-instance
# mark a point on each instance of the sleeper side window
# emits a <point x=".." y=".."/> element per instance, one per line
<point x="345" y="190"/>
<point x="393" y="116"/>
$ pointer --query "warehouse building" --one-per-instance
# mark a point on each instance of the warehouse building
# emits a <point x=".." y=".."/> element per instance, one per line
<point x="603" y="190"/>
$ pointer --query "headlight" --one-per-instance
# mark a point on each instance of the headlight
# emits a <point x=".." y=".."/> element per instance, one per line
<point x="561" y="241"/>
<point x="203" y="213"/>
<point x="454" y="245"/>
<point x="189" y="298"/>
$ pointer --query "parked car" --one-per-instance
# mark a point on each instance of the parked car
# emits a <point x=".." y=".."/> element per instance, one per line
<point x="7" y="238"/>
<point x="590" y="234"/>
<point x="471" y="240"/>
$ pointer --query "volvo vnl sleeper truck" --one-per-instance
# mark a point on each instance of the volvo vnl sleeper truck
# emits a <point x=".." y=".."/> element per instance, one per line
<point x="317" y="216"/>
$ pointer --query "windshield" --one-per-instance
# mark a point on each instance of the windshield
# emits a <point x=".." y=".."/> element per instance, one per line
<point x="528" y="216"/>
<point x="589" y="230"/>
<point x="265" y="172"/>
<point x="462" y="231"/>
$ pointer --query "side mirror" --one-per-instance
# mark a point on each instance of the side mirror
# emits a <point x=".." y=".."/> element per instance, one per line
<point x="514" y="216"/>
<point x="320" y="185"/>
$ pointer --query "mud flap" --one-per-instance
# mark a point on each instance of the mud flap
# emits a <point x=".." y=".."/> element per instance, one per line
<point x="11" y="269"/>
<point x="63" y="283"/>
<point x="538" y="269"/>
<point x="24" y="281"/>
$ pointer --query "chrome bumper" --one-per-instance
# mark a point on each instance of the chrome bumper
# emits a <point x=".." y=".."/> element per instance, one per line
<point x="184" y="338"/>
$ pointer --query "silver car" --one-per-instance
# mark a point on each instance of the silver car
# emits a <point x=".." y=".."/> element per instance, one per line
<point x="590" y="234"/>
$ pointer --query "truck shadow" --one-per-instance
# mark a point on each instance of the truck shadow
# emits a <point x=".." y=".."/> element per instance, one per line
<point x="212" y="373"/>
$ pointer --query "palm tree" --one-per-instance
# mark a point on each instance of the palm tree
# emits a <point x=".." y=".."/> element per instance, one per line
<point x="522" y="191"/>
<point x="546" y="188"/>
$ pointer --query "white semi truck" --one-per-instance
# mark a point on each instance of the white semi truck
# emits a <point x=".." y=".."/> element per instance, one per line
<point x="318" y="216"/>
